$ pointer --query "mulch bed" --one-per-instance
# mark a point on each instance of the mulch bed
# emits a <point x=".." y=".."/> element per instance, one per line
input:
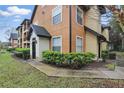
<point x="96" y="65"/>
<point x="92" y="66"/>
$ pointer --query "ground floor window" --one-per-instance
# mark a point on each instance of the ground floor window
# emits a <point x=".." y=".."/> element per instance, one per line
<point x="79" y="44"/>
<point x="57" y="43"/>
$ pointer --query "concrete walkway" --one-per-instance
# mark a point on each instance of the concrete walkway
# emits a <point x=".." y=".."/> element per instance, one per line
<point x="62" y="72"/>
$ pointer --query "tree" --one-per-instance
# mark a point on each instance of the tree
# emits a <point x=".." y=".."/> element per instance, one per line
<point x="115" y="35"/>
<point x="8" y="32"/>
<point x="118" y="14"/>
<point x="1" y="46"/>
<point x="118" y="20"/>
<point x="115" y="40"/>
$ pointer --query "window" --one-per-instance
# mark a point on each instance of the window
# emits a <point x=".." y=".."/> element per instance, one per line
<point x="57" y="15"/>
<point x="79" y="17"/>
<point x="57" y="43"/>
<point x="79" y="44"/>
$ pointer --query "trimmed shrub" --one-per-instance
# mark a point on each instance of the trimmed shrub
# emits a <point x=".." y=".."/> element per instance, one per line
<point x="88" y="57"/>
<point x="22" y="49"/>
<point x="18" y="54"/>
<point x="74" y="60"/>
<point x="11" y="49"/>
<point x="53" y="57"/>
<point x="112" y="56"/>
<point x="104" y="55"/>
<point x="22" y="53"/>
<point x="77" y="60"/>
<point x="48" y="56"/>
<point x="58" y="58"/>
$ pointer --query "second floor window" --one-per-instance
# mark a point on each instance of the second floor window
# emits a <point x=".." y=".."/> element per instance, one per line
<point x="79" y="16"/>
<point x="57" y="15"/>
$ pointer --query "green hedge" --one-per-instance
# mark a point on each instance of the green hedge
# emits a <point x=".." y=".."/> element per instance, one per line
<point x="22" y="53"/>
<point x="11" y="49"/>
<point x="73" y="60"/>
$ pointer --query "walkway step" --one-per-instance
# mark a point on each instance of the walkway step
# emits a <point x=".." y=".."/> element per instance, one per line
<point x="60" y="72"/>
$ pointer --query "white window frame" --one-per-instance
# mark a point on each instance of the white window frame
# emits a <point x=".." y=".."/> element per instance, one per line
<point x="82" y="50"/>
<point x="53" y="10"/>
<point x="61" y="41"/>
<point x="77" y="7"/>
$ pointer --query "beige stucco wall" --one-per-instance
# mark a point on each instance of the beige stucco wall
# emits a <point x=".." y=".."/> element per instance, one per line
<point x="92" y="19"/>
<point x="104" y="46"/>
<point x="43" y="45"/>
<point x="91" y="43"/>
<point x="105" y="33"/>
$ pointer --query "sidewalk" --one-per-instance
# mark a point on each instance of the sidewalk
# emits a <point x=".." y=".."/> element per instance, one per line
<point x="62" y="72"/>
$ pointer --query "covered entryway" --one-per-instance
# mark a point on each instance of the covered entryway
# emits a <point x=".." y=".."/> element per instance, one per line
<point x="39" y="38"/>
<point x="94" y="41"/>
<point x="34" y="48"/>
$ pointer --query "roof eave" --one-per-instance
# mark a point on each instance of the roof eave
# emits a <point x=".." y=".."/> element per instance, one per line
<point x="95" y="33"/>
<point x="25" y="20"/>
<point x="18" y="27"/>
<point x="34" y="11"/>
<point x="44" y="36"/>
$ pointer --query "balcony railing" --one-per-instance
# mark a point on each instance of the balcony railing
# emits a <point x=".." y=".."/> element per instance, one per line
<point x="25" y="39"/>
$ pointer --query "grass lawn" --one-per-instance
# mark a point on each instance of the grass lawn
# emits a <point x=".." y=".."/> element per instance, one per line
<point x="17" y="74"/>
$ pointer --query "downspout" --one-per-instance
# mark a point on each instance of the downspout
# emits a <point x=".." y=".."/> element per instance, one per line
<point x="70" y="30"/>
<point x="99" y="48"/>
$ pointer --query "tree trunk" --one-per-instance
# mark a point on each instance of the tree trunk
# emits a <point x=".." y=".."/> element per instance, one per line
<point x="122" y="27"/>
<point x="123" y="43"/>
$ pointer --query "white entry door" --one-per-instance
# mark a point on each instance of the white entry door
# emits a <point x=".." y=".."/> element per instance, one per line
<point x="43" y="45"/>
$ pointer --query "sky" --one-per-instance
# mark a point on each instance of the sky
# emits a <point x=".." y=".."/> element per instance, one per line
<point x="12" y="16"/>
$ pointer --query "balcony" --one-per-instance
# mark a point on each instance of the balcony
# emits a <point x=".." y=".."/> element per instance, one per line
<point x="26" y="30"/>
<point x="25" y="39"/>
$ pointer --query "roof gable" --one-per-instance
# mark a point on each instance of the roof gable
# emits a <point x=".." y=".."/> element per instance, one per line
<point x="94" y="33"/>
<point x="39" y="31"/>
<point x="13" y="36"/>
